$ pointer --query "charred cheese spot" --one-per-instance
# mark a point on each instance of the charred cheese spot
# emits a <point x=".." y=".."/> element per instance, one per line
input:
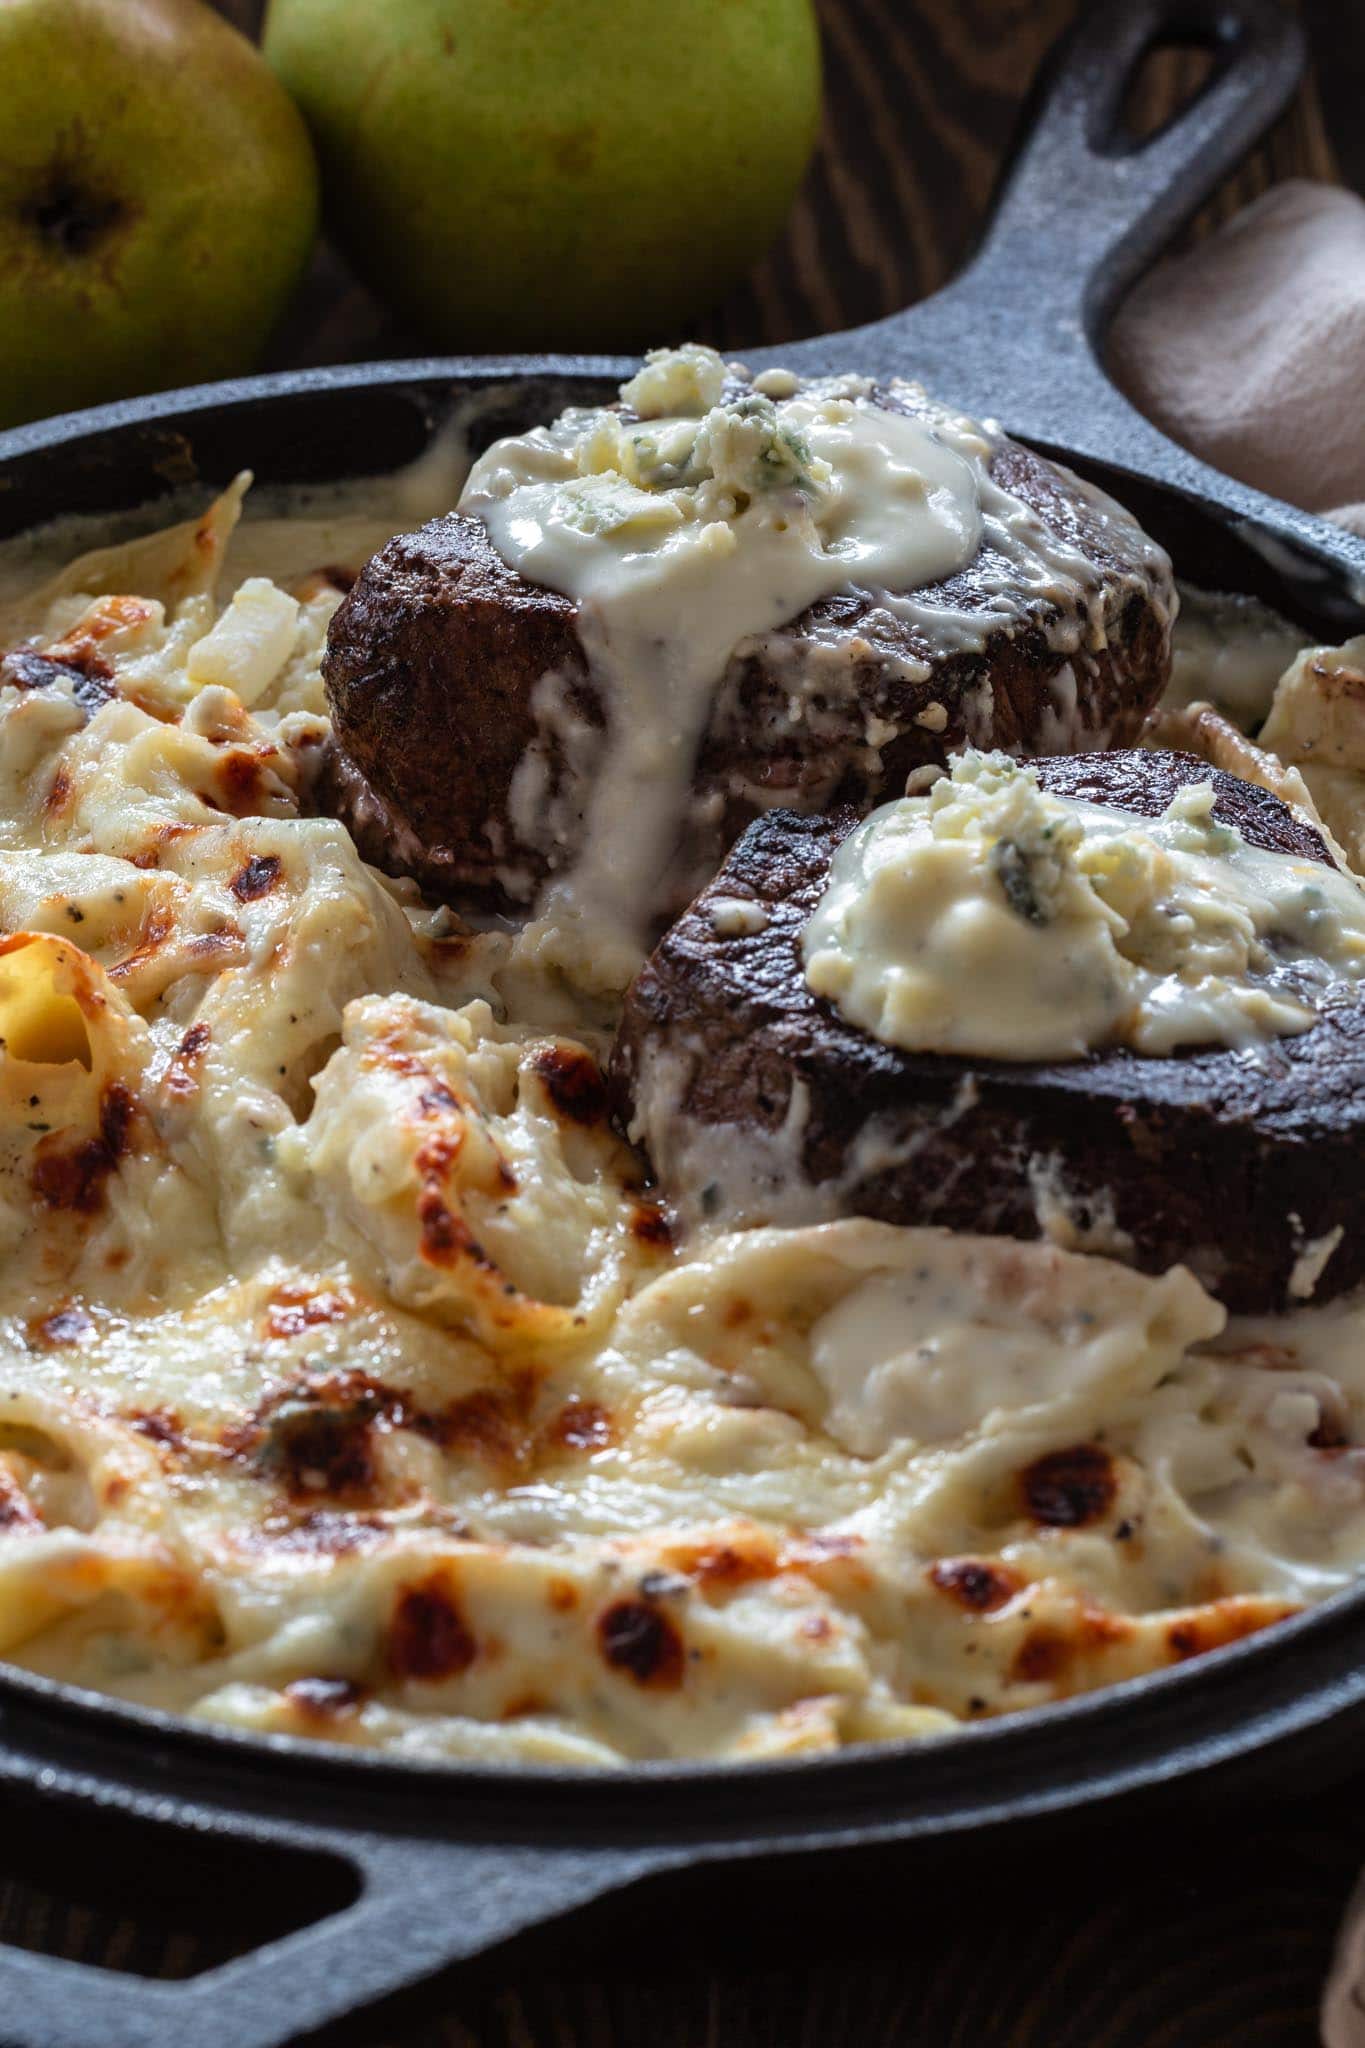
<point x="427" y="1637"/>
<point x="160" y="1426"/>
<point x="1042" y="1658"/>
<point x="446" y="1237"/>
<point x="70" y="1324"/>
<point x="150" y="856"/>
<point x="182" y="1075"/>
<point x="294" y="1309"/>
<point x="241" y="779"/>
<point x="492" y="1423"/>
<point x="18" y="1516"/>
<point x="257" y="878"/>
<point x="317" y="1437"/>
<point x="979" y="1584"/>
<point x="1070" y="1489"/>
<point x="89" y="676"/>
<point x="1048" y="1653"/>
<point x="637" y="1639"/>
<point x="72" y="1177"/>
<point x="582" y="1426"/>
<point x="740" y="1558"/>
<point x="321" y="1532"/>
<point x="573" y="1081"/>
<point x="1222" y="1622"/>
<point x="649" y="1225"/>
<point x="325" y="1700"/>
<point x="159" y="931"/>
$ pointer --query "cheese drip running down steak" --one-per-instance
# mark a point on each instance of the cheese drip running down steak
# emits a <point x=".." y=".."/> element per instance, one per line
<point x="647" y="623"/>
<point x="1195" y="1094"/>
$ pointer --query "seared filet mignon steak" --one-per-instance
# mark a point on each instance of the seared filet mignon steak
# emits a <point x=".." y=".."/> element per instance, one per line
<point x="757" y="1099"/>
<point x="471" y="723"/>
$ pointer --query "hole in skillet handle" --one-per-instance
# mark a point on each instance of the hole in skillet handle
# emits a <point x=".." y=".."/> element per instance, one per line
<point x="82" y="1888"/>
<point x="1098" y="179"/>
<point x="145" y="1922"/>
<point x="1164" y="83"/>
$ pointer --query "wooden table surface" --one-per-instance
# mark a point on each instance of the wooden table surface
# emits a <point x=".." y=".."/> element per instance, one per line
<point x="1215" y="1936"/>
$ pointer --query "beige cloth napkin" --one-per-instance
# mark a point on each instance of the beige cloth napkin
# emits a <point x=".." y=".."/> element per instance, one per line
<point x="1343" y="2001"/>
<point x="1250" y="350"/>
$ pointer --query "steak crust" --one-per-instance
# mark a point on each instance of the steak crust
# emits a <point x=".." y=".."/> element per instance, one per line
<point x="1235" y="1164"/>
<point x="447" y="672"/>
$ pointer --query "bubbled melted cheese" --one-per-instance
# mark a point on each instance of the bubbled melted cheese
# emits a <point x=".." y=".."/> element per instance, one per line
<point x="350" y="1385"/>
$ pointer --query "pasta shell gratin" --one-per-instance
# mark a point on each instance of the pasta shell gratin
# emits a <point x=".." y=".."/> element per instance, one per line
<point x="352" y="1383"/>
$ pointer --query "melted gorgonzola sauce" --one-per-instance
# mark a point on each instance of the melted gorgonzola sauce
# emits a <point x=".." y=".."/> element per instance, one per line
<point x="351" y="1384"/>
<point x="687" y="527"/>
<point x="989" y="916"/>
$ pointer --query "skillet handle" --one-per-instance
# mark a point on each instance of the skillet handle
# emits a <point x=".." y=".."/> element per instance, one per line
<point x="418" y="1905"/>
<point x="1085" y="207"/>
<point x="1080" y="213"/>
<point x="1082" y="209"/>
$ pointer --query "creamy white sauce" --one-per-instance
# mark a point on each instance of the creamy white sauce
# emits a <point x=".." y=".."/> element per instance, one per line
<point x="735" y="917"/>
<point x="1312" y="1261"/>
<point x="680" y="536"/>
<point x="970" y="1329"/>
<point x="1229" y="651"/>
<point x="991" y="918"/>
<point x="700" y="530"/>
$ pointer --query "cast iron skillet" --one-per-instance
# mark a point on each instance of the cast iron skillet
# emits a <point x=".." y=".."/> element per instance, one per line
<point x="441" y="1863"/>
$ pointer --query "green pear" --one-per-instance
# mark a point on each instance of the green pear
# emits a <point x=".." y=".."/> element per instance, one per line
<point x="553" y="173"/>
<point x="158" y="200"/>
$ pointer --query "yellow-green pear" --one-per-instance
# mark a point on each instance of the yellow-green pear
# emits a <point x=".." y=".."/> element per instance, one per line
<point x="158" y="200"/>
<point x="542" y="173"/>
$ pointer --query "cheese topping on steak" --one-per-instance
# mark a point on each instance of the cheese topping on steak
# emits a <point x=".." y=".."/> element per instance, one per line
<point x="991" y="917"/>
<point x="693" y="522"/>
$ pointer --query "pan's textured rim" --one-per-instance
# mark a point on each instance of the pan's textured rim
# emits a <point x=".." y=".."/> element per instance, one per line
<point x="156" y="408"/>
<point x="911" y="1760"/>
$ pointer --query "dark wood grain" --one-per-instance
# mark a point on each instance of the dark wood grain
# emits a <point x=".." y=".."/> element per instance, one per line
<point x="1218" y="1939"/>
